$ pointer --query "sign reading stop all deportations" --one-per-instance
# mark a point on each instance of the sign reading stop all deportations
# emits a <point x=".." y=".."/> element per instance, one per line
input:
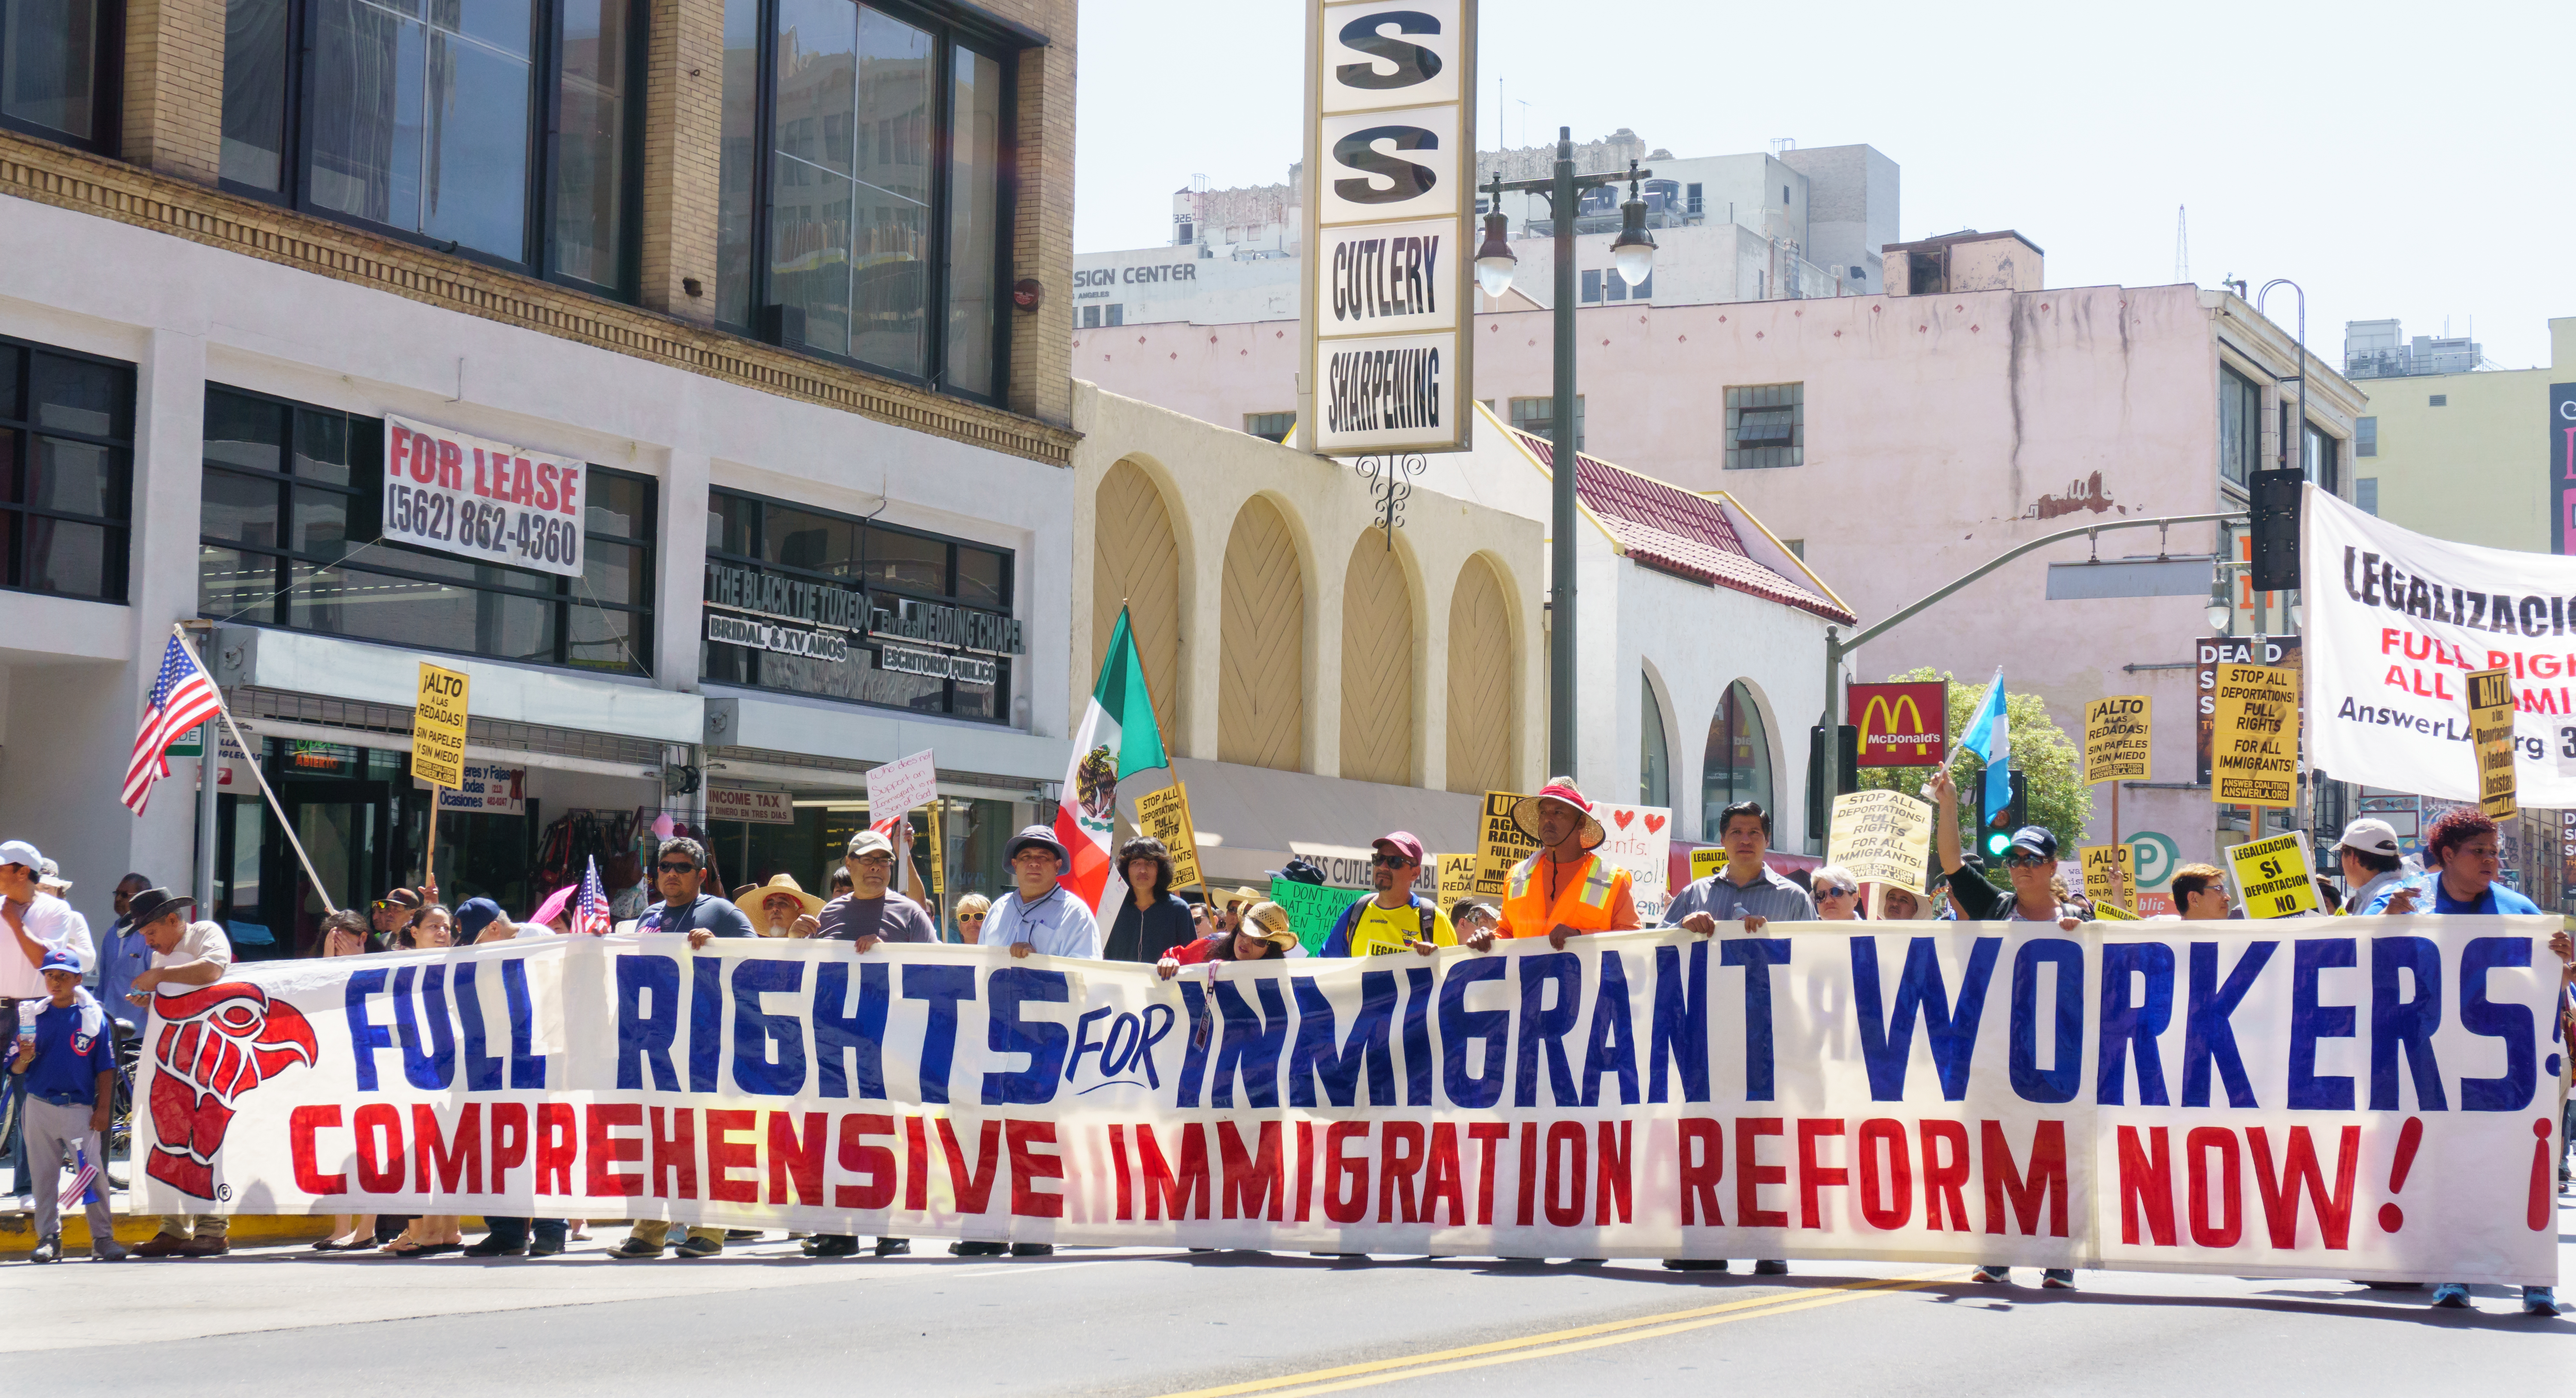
<point x="438" y="726"/>
<point x="1881" y="837"/>
<point x="2272" y="876"/>
<point x="1390" y="214"/>
<point x="2116" y="733"/>
<point x="1165" y="815"/>
<point x="2254" y="737"/>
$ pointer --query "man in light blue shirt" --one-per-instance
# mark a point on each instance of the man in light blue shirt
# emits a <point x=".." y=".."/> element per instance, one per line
<point x="121" y="956"/>
<point x="1040" y="915"/>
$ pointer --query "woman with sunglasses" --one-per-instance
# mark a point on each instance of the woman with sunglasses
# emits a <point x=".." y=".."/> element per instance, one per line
<point x="1837" y="894"/>
<point x="971" y="912"/>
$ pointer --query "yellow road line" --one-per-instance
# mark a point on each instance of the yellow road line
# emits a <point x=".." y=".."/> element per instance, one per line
<point x="1555" y="1342"/>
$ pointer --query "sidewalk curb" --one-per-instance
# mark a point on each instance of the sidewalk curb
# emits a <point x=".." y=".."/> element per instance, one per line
<point x="18" y="1230"/>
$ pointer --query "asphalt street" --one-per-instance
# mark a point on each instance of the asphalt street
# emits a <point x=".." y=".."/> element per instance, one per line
<point x="1133" y="1321"/>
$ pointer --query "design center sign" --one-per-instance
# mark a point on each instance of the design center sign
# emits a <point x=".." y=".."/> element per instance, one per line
<point x="1390" y="225"/>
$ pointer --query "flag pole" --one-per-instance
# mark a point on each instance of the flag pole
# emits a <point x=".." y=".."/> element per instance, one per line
<point x="252" y="761"/>
<point x="1196" y="866"/>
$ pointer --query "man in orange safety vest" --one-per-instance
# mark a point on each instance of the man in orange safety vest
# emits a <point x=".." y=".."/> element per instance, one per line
<point x="1564" y="889"/>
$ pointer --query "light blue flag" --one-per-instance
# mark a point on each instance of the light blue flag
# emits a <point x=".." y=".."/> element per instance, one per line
<point x="1990" y="737"/>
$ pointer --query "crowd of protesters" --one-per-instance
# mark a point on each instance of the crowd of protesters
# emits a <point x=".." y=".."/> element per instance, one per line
<point x="66" y="1038"/>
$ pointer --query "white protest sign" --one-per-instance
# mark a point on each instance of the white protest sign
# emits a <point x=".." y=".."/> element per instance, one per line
<point x="1881" y="837"/>
<point x="488" y="501"/>
<point x="1640" y="840"/>
<point x="899" y="786"/>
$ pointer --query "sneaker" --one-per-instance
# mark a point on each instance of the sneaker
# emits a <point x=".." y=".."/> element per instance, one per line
<point x="1991" y="1275"/>
<point x="831" y="1245"/>
<point x="490" y="1248"/>
<point x="635" y="1249"/>
<point x="2451" y="1296"/>
<point x="545" y="1247"/>
<point x="1771" y="1267"/>
<point x="741" y="1235"/>
<point x="2539" y="1300"/>
<point x="163" y="1245"/>
<point x="108" y="1252"/>
<point x="2057" y="1279"/>
<point x="894" y="1247"/>
<point x="49" y="1250"/>
<point x="978" y="1249"/>
<point x="1032" y="1249"/>
<point x="694" y="1246"/>
<point x="1694" y="1264"/>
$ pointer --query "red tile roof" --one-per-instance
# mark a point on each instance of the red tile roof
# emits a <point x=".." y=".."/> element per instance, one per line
<point x="1665" y="527"/>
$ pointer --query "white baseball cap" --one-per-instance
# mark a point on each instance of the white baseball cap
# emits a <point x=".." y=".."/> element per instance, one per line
<point x="2370" y="837"/>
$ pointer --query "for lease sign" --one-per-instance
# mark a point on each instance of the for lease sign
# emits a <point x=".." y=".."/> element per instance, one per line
<point x="483" y="500"/>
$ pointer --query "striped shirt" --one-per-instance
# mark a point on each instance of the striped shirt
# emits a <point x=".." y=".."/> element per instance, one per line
<point x="1771" y="898"/>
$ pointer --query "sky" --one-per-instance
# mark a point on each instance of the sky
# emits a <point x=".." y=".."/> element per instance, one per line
<point x="2407" y="160"/>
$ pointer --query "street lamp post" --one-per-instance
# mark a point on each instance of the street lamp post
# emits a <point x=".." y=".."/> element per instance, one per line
<point x="1633" y="256"/>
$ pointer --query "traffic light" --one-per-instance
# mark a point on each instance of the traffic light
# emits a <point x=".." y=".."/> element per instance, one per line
<point x="1995" y="829"/>
<point x="1833" y="769"/>
<point x="2272" y="507"/>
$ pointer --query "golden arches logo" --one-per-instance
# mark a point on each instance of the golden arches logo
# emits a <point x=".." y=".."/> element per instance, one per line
<point x="1878" y="723"/>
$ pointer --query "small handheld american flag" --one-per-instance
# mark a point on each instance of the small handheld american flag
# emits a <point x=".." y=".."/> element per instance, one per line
<point x="83" y="1185"/>
<point x="590" y="906"/>
<point x="182" y="697"/>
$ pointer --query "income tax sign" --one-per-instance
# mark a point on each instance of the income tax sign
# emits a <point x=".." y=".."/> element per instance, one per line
<point x="483" y="500"/>
<point x="2140" y="1097"/>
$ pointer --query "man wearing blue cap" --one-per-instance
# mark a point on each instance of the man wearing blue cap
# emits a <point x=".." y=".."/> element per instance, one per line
<point x="67" y="1061"/>
<point x="31" y="925"/>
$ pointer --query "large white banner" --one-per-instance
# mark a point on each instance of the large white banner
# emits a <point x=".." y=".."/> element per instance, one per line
<point x="2367" y="1098"/>
<point x="2396" y="620"/>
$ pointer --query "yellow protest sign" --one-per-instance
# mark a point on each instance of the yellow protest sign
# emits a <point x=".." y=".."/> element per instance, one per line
<point x="1165" y="815"/>
<point x="1707" y="861"/>
<point x="2110" y="878"/>
<point x="2272" y="876"/>
<point x="1456" y="876"/>
<point x="2254" y="737"/>
<point x="2115" y="739"/>
<point x="2491" y="737"/>
<point x="438" y="726"/>
<point x="2113" y="912"/>
<point x="1499" y="843"/>
<point x="1880" y="836"/>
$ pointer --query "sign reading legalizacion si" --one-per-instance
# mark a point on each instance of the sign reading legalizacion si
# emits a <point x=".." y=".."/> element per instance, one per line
<point x="2273" y="876"/>
<point x="1390" y="224"/>
<point x="482" y="500"/>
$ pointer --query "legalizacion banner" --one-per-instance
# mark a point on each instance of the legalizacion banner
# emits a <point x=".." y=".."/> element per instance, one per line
<point x="2366" y="1098"/>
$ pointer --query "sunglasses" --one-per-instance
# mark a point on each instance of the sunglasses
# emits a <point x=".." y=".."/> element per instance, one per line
<point x="677" y="868"/>
<point x="970" y="917"/>
<point x="1391" y="861"/>
<point x="1839" y="893"/>
<point x="2019" y="860"/>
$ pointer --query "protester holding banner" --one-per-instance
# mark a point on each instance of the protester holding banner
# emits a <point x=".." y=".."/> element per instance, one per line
<point x="1564" y="888"/>
<point x="1837" y="894"/>
<point x="2200" y="893"/>
<point x="780" y="907"/>
<point x="1471" y="918"/>
<point x="1745" y="889"/>
<point x="680" y="871"/>
<point x="1900" y="904"/>
<point x="1038" y="915"/>
<point x="2465" y="854"/>
<point x="1265" y="933"/>
<point x="1151" y="916"/>
<point x="1392" y="918"/>
<point x="871" y="912"/>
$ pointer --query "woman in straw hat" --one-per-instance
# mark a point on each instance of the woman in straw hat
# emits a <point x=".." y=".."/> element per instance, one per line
<point x="1265" y="933"/>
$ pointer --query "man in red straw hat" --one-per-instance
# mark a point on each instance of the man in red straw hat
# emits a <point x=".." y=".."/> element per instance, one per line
<point x="1564" y="889"/>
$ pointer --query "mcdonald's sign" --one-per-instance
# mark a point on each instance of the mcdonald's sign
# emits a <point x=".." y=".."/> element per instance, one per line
<point x="1901" y="725"/>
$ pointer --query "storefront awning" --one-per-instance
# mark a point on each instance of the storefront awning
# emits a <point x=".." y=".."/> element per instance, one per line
<point x="301" y="663"/>
<point x="1251" y="819"/>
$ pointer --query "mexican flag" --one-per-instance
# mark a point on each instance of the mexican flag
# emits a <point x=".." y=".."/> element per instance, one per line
<point x="1117" y="739"/>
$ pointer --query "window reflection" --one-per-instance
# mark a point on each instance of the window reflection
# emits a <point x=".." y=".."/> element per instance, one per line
<point x="1737" y="763"/>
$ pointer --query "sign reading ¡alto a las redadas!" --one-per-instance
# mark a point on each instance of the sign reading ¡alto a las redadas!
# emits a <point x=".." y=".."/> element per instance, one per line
<point x="483" y="500"/>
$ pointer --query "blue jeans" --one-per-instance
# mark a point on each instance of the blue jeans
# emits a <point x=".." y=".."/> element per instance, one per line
<point x="513" y="1232"/>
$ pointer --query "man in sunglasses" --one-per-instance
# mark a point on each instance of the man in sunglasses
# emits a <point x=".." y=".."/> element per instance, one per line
<point x="391" y="914"/>
<point x="679" y="873"/>
<point x="1391" y="918"/>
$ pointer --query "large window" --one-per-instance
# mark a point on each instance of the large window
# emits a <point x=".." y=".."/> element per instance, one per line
<point x="863" y="194"/>
<point x="1537" y="417"/>
<point x="58" y="69"/>
<point x="1737" y="764"/>
<point x="292" y="491"/>
<point x="1654" y="755"/>
<point x="2240" y="425"/>
<point x="502" y="128"/>
<point x="827" y="604"/>
<point x="1766" y="426"/>
<point x="66" y="471"/>
<point x="2324" y="459"/>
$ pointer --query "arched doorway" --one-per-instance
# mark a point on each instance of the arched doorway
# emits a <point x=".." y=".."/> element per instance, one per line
<point x="1261" y="701"/>
<point x="1737" y="764"/>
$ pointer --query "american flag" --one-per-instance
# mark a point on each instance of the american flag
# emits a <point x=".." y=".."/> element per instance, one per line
<point x="590" y="906"/>
<point x="182" y="697"/>
<point x="84" y="1178"/>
